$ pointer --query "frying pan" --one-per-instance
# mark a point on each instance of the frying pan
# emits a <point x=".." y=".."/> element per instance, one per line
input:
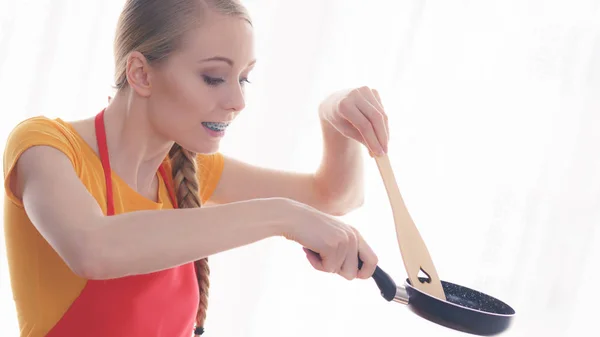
<point x="464" y="309"/>
<point x="447" y="304"/>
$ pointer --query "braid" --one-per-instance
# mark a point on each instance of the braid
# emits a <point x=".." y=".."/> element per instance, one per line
<point x="185" y="181"/>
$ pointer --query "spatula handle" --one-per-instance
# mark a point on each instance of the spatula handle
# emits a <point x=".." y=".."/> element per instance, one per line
<point x="412" y="247"/>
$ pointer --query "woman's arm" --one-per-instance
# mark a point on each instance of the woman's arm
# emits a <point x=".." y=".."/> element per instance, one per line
<point x="336" y="188"/>
<point x="96" y="246"/>
<point x="348" y="119"/>
<point x="340" y="175"/>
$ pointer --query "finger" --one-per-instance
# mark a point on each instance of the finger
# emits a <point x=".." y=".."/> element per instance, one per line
<point x="350" y="267"/>
<point x="362" y="124"/>
<point x="348" y="130"/>
<point x="377" y="121"/>
<point x="314" y="259"/>
<point x="341" y="254"/>
<point x="333" y="258"/>
<point x="373" y="96"/>
<point x="378" y="97"/>
<point x="328" y="262"/>
<point x="368" y="257"/>
<point x="322" y="262"/>
<point x="387" y="124"/>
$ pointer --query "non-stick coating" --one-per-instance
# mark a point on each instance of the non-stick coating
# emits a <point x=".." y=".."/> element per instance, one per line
<point x="465" y="309"/>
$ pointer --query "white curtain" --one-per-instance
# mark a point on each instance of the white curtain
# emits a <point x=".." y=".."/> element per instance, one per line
<point x="495" y="141"/>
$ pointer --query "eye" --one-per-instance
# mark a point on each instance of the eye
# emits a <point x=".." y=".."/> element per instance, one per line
<point x="212" y="81"/>
<point x="244" y="81"/>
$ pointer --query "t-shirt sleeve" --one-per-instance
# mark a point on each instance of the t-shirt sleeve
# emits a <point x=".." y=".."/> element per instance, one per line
<point x="210" y="168"/>
<point x="37" y="131"/>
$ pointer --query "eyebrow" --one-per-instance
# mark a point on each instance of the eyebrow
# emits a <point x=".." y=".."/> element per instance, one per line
<point x="224" y="59"/>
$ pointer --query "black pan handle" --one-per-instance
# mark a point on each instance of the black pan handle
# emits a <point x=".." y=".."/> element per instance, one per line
<point x="384" y="282"/>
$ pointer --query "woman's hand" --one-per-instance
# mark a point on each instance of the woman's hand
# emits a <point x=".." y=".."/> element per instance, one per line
<point x="330" y="245"/>
<point x="358" y="114"/>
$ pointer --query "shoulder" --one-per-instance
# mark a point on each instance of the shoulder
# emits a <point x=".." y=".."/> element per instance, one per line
<point x="210" y="162"/>
<point x="210" y="169"/>
<point x="40" y="124"/>
<point x="39" y="131"/>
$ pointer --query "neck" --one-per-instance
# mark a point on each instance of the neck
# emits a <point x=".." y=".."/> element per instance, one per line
<point x="135" y="149"/>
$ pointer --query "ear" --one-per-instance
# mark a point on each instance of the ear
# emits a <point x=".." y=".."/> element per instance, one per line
<point x="138" y="73"/>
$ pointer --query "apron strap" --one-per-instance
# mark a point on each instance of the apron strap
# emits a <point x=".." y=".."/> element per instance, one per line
<point x="166" y="177"/>
<point x="104" y="158"/>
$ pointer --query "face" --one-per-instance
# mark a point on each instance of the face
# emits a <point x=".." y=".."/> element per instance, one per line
<point x="199" y="90"/>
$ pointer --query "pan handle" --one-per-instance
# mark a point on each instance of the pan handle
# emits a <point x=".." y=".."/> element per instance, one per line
<point x="389" y="290"/>
<point x="387" y="286"/>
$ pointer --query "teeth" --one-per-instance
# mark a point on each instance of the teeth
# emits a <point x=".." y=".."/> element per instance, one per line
<point x="216" y="126"/>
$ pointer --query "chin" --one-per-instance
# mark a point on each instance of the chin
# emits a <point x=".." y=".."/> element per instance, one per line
<point x="198" y="142"/>
<point x="202" y="147"/>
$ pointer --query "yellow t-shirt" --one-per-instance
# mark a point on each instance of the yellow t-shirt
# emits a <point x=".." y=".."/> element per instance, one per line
<point x="43" y="285"/>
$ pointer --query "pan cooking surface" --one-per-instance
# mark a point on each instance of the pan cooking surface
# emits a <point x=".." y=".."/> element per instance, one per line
<point x="473" y="299"/>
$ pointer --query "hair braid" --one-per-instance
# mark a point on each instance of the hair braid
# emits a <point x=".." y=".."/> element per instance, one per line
<point x="186" y="185"/>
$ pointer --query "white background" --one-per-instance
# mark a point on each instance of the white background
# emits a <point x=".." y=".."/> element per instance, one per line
<point x="495" y="142"/>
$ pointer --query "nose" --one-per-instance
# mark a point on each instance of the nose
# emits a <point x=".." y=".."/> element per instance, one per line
<point x="236" y="99"/>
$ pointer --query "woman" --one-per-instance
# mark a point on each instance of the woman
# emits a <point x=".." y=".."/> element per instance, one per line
<point x="105" y="231"/>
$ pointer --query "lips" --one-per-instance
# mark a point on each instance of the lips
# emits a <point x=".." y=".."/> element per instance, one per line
<point x="216" y="126"/>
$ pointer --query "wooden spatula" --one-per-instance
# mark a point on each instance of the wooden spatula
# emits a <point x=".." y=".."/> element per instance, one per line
<point x="412" y="247"/>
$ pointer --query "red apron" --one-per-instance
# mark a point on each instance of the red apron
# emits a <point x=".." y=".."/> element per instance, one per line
<point x="161" y="304"/>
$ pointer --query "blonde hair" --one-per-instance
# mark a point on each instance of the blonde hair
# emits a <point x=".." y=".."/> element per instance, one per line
<point x="156" y="28"/>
